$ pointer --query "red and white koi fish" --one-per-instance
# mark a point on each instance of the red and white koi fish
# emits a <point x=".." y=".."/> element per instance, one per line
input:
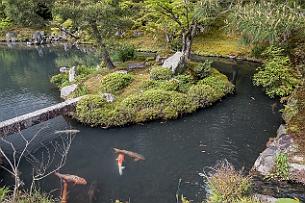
<point x="135" y="156"/>
<point x="71" y="178"/>
<point x="120" y="160"/>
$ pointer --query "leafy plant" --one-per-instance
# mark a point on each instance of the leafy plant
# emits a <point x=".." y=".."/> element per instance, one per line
<point x="126" y="52"/>
<point x="5" y="23"/>
<point x="114" y="82"/>
<point x="228" y="185"/>
<point x="267" y="22"/>
<point x="3" y="193"/>
<point x="281" y="166"/>
<point x="160" y="73"/>
<point x="203" y="69"/>
<point x="60" y="80"/>
<point x="276" y="77"/>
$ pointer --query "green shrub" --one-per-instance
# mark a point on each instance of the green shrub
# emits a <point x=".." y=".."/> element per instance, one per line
<point x="158" y="104"/>
<point x="126" y="52"/>
<point x="167" y="85"/>
<point x="5" y="23"/>
<point x="160" y="73"/>
<point x="81" y="90"/>
<point x="60" y="80"/>
<point x="114" y="82"/>
<point x="276" y="77"/>
<point x="203" y="69"/>
<point x="203" y="94"/>
<point x="184" y="82"/>
<point x="3" y="193"/>
<point x="219" y="83"/>
<point x="227" y="185"/>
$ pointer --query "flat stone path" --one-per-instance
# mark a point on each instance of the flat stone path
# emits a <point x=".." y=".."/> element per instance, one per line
<point x="25" y="121"/>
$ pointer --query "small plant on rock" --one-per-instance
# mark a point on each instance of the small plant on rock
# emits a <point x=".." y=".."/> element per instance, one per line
<point x="281" y="166"/>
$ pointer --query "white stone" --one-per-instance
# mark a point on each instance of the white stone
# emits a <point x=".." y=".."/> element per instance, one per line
<point x="66" y="91"/>
<point x="109" y="97"/>
<point x="72" y="74"/>
<point x="175" y="63"/>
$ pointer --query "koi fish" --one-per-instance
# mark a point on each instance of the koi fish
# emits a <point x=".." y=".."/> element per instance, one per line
<point x="135" y="156"/>
<point x="120" y="161"/>
<point x="71" y="179"/>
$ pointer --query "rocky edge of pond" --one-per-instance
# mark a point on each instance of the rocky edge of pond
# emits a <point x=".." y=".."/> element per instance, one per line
<point x="265" y="165"/>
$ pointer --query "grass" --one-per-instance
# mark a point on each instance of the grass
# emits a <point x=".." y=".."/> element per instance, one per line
<point x="217" y="42"/>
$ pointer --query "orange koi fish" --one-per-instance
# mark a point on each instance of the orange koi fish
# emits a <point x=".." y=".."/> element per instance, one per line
<point x="120" y="160"/>
<point x="71" y="179"/>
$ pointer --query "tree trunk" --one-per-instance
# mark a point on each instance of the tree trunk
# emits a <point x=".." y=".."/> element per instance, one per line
<point x="187" y="40"/>
<point x="105" y="54"/>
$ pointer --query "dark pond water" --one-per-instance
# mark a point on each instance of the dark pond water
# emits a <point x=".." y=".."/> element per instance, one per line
<point x="235" y="129"/>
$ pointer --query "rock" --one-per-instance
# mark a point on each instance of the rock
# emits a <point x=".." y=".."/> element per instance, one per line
<point x="66" y="91"/>
<point x="266" y="161"/>
<point x="159" y="59"/>
<point x="64" y="69"/>
<point x="281" y="131"/>
<point x="176" y="63"/>
<point x="137" y="33"/>
<point x="265" y="198"/>
<point x="122" y="71"/>
<point x="11" y="36"/>
<point x="109" y="97"/>
<point x="132" y="66"/>
<point x="38" y="37"/>
<point x="72" y="74"/>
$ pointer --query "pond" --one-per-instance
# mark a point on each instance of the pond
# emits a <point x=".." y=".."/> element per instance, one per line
<point x="235" y="129"/>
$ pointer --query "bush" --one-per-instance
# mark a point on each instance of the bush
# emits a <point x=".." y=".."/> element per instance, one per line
<point x="60" y="80"/>
<point x="126" y="52"/>
<point x="5" y="24"/>
<point x="202" y="70"/>
<point x="157" y="104"/>
<point x="81" y="90"/>
<point x="276" y="77"/>
<point x="114" y="82"/>
<point x="219" y="83"/>
<point x="184" y="82"/>
<point x="160" y="73"/>
<point x="203" y="94"/>
<point x="227" y="185"/>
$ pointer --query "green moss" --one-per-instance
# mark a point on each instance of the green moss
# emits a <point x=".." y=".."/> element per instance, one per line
<point x="160" y="73"/>
<point x="114" y="82"/>
<point x="217" y="42"/>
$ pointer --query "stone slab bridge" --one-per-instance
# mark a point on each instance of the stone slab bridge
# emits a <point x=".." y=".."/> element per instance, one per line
<point x="25" y="121"/>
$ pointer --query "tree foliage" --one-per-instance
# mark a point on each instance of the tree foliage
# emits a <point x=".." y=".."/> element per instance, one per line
<point x="182" y="17"/>
<point x="101" y="18"/>
<point x="28" y="13"/>
<point x="276" y="76"/>
<point x="267" y="22"/>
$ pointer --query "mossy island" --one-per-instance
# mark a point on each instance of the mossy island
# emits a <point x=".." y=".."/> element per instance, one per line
<point x="120" y="96"/>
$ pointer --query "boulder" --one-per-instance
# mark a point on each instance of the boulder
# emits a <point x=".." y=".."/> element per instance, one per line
<point x="66" y="91"/>
<point x="38" y="37"/>
<point x="265" y="163"/>
<point x="176" y="63"/>
<point x="11" y="36"/>
<point x="64" y="69"/>
<point x="132" y="66"/>
<point x="72" y="74"/>
<point x="109" y="97"/>
<point x="137" y="33"/>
